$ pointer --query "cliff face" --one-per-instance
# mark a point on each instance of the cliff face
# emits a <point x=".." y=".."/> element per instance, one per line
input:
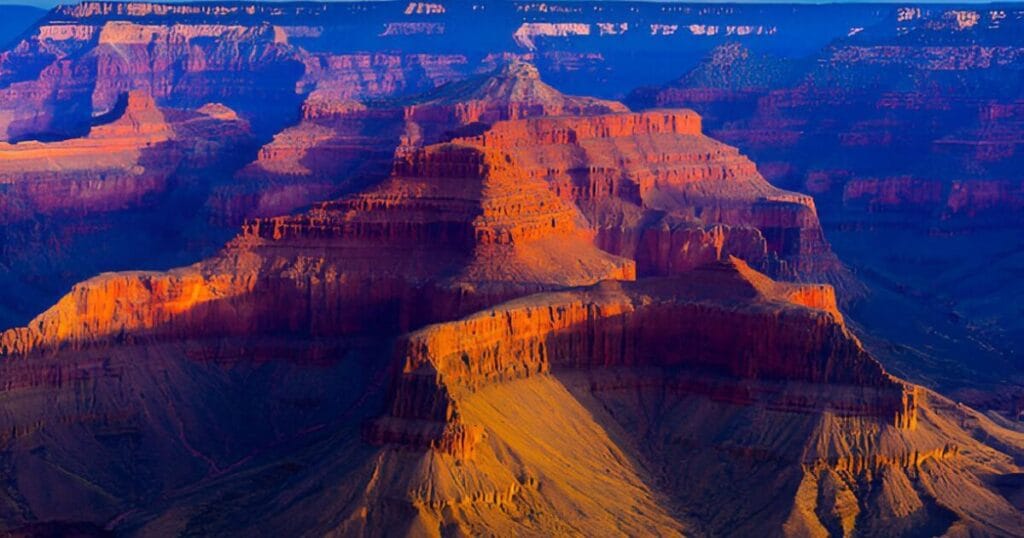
<point x="918" y="66"/>
<point x="661" y="192"/>
<point x="593" y="349"/>
<point x="455" y="228"/>
<point x="346" y="140"/>
<point x="782" y="332"/>
<point x="698" y="371"/>
<point x="117" y="165"/>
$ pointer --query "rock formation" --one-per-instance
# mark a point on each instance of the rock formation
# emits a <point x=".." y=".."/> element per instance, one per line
<point x="118" y="165"/>
<point x="453" y="230"/>
<point x="342" y="143"/>
<point x="626" y="351"/>
<point x="790" y="332"/>
<point x="659" y="191"/>
<point x="518" y="312"/>
<point x="904" y="131"/>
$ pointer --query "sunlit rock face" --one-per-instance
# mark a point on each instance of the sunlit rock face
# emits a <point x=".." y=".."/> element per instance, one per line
<point x="661" y="192"/>
<point x="345" y="140"/>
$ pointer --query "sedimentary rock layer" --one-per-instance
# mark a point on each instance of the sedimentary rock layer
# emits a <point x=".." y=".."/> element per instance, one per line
<point x="726" y="319"/>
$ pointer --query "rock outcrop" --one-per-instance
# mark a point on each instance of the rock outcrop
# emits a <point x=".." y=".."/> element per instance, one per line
<point x="455" y="229"/>
<point x="526" y="314"/>
<point x="726" y="319"/>
<point x="659" y="191"/>
<point x="119" y="164"/>
<point x="342" y="143"/>
<point x="713" y="343"/>
<point x="904" y="131"/>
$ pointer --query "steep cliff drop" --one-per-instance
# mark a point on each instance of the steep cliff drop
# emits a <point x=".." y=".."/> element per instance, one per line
<point x="659" y="191"/>
<point x="462" y="346"/>
<point x="640" y="406"/>
<point x="275" y="384"/>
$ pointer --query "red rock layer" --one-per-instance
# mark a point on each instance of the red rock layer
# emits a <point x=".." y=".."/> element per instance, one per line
<point x="341" y="144"/>
<point x="659" y="191"/>
<point x="455" y="230"/>
<point x="512" y="92"/>
<point x="726" y="319"/>
<point x="118" y="165"/>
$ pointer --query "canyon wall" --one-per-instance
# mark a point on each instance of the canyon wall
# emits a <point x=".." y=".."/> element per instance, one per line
<point x="781" y="332"/>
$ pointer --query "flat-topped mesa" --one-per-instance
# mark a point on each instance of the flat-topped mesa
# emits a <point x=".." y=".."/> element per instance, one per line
<point x="722" y="322"/>
<point x="659" y="191"/>
<point x="116" y="165"/>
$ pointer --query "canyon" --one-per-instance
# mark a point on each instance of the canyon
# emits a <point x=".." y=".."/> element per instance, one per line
<point x="933" y="236"/>
<point x="510" y="268"/>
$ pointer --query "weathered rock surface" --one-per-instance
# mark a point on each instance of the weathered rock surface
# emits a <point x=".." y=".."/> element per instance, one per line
<point x="453" y="230"/>
<point x="117" y="165"/>
<point x="274" y="388"/>
<point x="814" y="423"/>
<point x="659" y="191"/>
<point x="727" y="319"/>
<point x="342" y="143"/>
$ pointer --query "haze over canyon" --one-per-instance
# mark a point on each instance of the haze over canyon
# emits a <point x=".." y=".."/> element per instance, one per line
<point x="511" y="268"/>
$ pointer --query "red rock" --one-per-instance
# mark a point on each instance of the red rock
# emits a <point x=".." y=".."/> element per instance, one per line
<point x="118" y="165"/>
<point x="456" y="229"/>
<point x="627" y="171"/>
<point x="726" y="318"/>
